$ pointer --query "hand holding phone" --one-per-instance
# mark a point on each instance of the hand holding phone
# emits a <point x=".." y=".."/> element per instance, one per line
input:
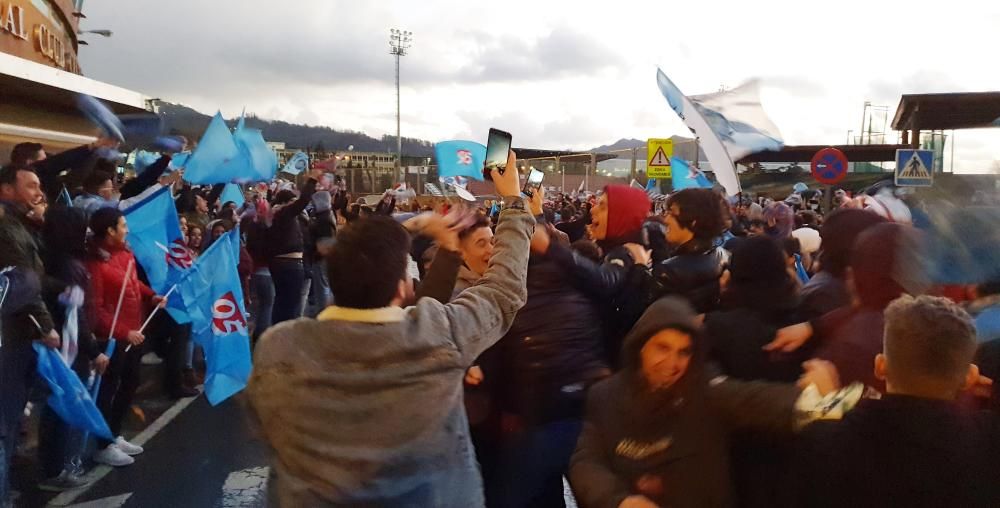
<point x="533" y="182"/>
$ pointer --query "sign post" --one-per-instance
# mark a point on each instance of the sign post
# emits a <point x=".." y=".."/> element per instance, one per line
<point x="659" y="152"/>
<point x="829" y="167"/>
<point x="913" y="168"/>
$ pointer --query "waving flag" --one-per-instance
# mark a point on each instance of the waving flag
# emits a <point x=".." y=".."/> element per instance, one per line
<point x="232" y="192"/>
<point x="460" y="158"/>
<point x="730" y="125"/>
<point x="143" y="160"/>
<point x="212" y="293"/>
<point x="687" y="177"/>
<point x="297" y="164"/>
<point x="217" y="158"/>
<point x="156" y="240"/>
<point x="69" y="399"/>
<point x="260" y="162"/>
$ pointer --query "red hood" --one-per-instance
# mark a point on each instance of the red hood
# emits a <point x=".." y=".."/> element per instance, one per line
<point x="628" y="207"/>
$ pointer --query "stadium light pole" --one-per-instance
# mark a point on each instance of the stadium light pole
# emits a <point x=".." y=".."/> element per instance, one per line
<point x="399" y="42"/>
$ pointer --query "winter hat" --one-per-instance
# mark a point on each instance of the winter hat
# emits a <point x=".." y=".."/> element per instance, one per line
<point x="839" y="233"/>
<point x="886" y="264"/>
<point x="809" y="240"/>
<point x="321" y="201"/>
<point x="784" y="220"/>
<point x="628" y="207"/>
<point x="800" y="188"/>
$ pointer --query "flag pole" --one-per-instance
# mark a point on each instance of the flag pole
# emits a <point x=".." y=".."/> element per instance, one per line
<point x="155" y="310"/>
<point x="121" y="297"/>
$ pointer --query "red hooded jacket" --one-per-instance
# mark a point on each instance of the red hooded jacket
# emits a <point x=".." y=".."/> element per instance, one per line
<point x="107" y="271"/>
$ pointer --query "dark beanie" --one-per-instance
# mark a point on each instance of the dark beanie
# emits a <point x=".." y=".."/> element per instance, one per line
<point x="628" y="207"/>
<point x="839" y="233"/>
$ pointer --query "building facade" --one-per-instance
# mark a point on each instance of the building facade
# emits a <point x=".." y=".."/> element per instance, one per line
<point x="41" y="79"/>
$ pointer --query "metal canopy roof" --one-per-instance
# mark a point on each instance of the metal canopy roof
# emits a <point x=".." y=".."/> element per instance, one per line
<point x="805" y="153"/>
<point x="564" y="156"/>
<point x="944" y="111"/>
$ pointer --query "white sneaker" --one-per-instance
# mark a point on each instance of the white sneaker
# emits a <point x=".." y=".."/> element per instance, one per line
<point x="129" y="448"/>
<point x="114" y="457"/>
<point x="151" y="359"/>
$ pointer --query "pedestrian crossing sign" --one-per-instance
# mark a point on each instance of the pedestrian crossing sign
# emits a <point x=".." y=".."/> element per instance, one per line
<point x="659" y="151"/>
<point x="914" y="168"/>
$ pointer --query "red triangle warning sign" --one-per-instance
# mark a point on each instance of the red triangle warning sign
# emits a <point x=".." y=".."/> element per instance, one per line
<point x="659" y="158"/>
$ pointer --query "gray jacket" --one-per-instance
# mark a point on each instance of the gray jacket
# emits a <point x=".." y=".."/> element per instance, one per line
<point x="365" y="407"/>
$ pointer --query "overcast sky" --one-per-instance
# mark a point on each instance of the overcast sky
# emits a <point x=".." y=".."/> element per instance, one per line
<point x="556" y="74"/>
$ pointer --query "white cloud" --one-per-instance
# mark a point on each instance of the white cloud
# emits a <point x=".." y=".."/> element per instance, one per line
<point x="559" y="74"/>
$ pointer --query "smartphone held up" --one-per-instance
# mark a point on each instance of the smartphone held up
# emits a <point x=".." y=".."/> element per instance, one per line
<point x="497" y="150"/>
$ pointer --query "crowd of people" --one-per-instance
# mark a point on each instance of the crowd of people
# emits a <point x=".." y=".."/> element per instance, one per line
<point x="698" y="350"/>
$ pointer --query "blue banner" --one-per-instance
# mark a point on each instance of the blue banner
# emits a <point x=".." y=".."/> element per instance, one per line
<point x="460" y="158"/>
<point x="156" y="240"/>
<point x="69" y="399"/>
<point x="213" y="296"/>
<point x="261" y="163"/>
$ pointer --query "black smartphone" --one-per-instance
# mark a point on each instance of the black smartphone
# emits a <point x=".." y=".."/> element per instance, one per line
<point x="533" y="182"/>
<point x="497" y="149"/>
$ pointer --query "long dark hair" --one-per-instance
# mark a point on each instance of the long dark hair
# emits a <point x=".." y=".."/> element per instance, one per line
<point x="65" y="236"/>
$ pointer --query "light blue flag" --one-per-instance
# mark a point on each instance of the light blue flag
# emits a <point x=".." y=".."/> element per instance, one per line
<point x="65" y="198"/>
<point x="686" y="177"/>
<point x="232" y="192"/>
<point x="212" y="293"/>
<point x="217" y="158"/>
<point x="260" y="162"/>
<point x="297" y="164"/>
<point x="178" y="160"/>
<point x="69" y="399"/>
<point x="460" y="158"/>
<point x="143" y="160"/>
<point x="156" y="240"/>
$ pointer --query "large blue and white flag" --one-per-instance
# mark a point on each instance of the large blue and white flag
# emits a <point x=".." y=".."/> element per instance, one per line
<point x="730" y="125"/>
<point x="217" y="158"/>
<point x="213" y="295"/>
<point x="297" y="164"/>
<point x="460" y="158"/>
<point x="685" y="176"/>
<point x="158" y="245"/>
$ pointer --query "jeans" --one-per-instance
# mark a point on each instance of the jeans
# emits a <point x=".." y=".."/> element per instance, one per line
<point x="17" y="371"/>
<point x="531" y="465"/>
<point x="118" y="387"/>
<point x="60" y="447"/>
<point x="289" y="279"/>
<point x="319" y="289"/>
<point x="262" y="300"/>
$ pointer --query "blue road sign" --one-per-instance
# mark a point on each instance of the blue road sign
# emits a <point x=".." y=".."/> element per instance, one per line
<point x="914" y="168"/>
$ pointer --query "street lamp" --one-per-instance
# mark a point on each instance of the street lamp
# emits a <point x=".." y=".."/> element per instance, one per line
<point x="102" y="33"/>
<point x="399" y="42"/>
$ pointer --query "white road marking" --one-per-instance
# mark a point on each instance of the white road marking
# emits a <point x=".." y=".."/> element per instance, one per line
<point x="99" y="472"/>
<point x="246" y="488"/>
<point x="108" y="502"/>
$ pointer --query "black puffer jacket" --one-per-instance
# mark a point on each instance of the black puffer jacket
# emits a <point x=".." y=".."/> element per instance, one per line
<point x="692" y="272"/>
<point x="671" y="445"/>
<point x="552" y="353"/>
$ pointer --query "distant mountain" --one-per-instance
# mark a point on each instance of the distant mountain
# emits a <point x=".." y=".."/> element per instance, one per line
<point x="190" y="123"/>
<point x="683" y="147"/>
<point x="621" y="144"/>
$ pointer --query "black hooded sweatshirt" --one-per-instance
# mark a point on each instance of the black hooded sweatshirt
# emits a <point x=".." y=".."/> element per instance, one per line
<point x="673" y="445"/>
